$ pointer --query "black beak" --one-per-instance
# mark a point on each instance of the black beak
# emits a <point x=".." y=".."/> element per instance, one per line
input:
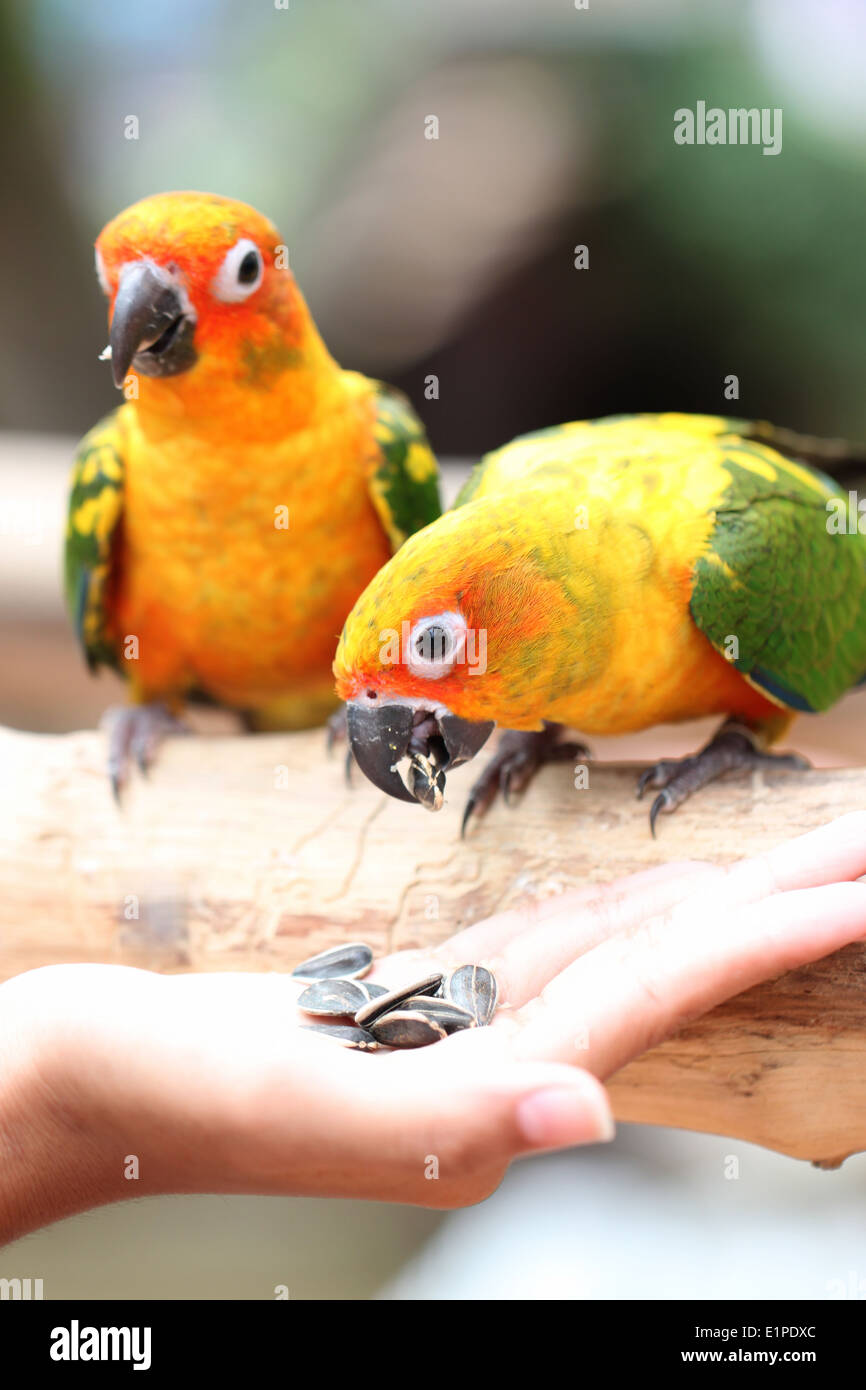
<point x="379" y="737"/>
<point x="462" y="738"/>
<point x="148" y="314"/>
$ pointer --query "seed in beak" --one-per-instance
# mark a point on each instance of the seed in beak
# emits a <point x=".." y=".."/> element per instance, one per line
<point x="428" y="783"/>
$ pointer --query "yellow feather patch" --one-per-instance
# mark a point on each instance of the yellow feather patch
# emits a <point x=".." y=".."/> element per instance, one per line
<point x="420" y="462"/>
<point x="96" y="516"/>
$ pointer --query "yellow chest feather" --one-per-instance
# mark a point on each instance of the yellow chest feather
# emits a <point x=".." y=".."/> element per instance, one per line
<point x="241" y="559"/>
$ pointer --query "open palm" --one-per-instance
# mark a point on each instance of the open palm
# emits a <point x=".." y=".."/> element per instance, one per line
<point x="211" y="1084"/>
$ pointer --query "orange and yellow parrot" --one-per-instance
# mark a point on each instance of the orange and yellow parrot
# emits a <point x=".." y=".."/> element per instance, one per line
<point x="609" y="576"/>
<point x="224" y="519"/>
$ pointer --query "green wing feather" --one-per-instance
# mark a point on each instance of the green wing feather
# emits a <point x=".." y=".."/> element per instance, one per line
<point x="95" y="511"/>
<point x="784" y="578"/>
<point x="779" y="573"/>
<point x="404" y="483"/>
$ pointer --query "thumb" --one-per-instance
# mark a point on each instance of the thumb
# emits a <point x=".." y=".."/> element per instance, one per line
<point x="451" y="1134"/>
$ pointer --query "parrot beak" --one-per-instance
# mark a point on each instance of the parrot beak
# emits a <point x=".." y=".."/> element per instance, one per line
<point x="463" y="739"/>
<point x="379" y="739"/>
<point x="381" y="736"/>
<point x="150" y="325"/>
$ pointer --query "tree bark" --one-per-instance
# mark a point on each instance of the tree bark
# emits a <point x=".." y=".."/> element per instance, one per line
<point x="252" y="853"/>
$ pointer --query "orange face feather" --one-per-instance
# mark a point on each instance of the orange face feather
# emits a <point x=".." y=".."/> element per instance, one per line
<point x="245" y="336"/>
<point x="586" y="627"/>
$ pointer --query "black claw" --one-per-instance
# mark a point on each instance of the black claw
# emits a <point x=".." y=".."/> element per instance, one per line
<point x="679" y="778"/>
<point x="643" y="782"/>
<point x="134" y="735"/>
<point x="795" y="762"/>
<point x="335" y="729"/>
<point x="658" y="805"/>
<point x="467" y="814"/>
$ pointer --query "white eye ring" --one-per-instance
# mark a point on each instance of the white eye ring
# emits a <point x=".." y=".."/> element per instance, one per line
<point x="227" y="284"/>
<point x="100" y="272"/>
<point x="436" y="644"/>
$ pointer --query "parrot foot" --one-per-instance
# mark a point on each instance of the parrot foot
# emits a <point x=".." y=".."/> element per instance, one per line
<point x="135" y="732"/>
<point x="337" y="731"/>
<point x="515" y="763"/>
<point x="730" y="750"/>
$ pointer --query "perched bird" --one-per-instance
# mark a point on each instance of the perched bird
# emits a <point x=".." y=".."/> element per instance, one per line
<point x="224" y="519"/>
<point x="609" y="576"/>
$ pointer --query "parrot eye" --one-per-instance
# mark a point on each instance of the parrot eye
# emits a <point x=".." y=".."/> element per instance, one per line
<point x="436" y="645"/>
<point x="240" y="273"/>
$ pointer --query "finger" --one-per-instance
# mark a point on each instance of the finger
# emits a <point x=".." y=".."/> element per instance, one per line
<point x="533" y="958"/>
<point x="435" y="1127"/>
<point x="630" y="993"/>
<point x="620" y="897"/>
<point x="834" y="853"/>
<point x="616" y="905"/>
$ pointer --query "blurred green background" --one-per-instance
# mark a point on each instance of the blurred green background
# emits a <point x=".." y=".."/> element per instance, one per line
<point x="452" y="256"/>
<point x="455" y="257"/>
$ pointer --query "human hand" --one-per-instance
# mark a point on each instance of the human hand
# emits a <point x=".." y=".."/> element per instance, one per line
<point x="211" y="1083"/>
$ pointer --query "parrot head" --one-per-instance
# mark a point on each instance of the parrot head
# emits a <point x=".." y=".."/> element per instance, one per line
<point x="455" y="633"/>
<point x="200" y="291"/>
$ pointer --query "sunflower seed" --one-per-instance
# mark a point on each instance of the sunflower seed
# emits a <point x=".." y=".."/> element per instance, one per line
<point x="338" y="998"/>
<point x="370" y="988"/>
<point x="450" y="1016"/>
<point x="346" y="1034"/>
<point x="407" y="1028"/>
<point x="474" y="988"/>
<point x="428" y="783"/>
<point x="386" y="1003"/>
<point x="349" y="962"/>
<point x="333" y="998"/>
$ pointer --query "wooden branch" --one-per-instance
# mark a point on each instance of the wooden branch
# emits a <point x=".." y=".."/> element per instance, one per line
<point x="251" y="853"/>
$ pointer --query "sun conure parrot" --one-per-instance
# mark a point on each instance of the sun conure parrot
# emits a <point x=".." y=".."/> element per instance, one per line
<point x="224" y="519"/>
<point x="610" y="575"/>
